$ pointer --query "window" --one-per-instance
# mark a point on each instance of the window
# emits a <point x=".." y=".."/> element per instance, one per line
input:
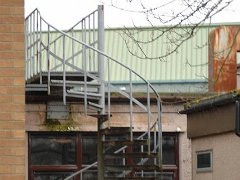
<point x="89" y="155"/>
<point x="56" y="155"/>
<point x="204" y="161"/>
<point x="53" y="155"/>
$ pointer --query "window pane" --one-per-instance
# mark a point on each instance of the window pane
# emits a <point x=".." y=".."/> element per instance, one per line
<point x="204" y="160"/>
<point x="53" y="150"/>
<point x="165" y="176"/>
<point x="90" y="175"/>
<point x="51" y="175"/>
<point x="169" y="150"/>
<point x="89" y="149"/>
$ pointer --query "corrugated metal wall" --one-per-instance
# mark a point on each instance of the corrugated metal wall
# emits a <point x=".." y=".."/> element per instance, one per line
<point x="188" y="63"/>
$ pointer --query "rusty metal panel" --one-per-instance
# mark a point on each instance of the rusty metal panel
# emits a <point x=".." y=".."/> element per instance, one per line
<point x="224" y="44"/>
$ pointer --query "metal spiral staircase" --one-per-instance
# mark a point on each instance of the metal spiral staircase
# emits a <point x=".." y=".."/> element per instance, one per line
<point x="73" y="64"/>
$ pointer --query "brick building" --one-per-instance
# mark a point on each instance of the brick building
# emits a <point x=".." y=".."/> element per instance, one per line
<point x="12" y="95"/>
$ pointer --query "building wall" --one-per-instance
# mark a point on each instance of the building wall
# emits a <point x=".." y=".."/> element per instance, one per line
<point x="171" y="119"/>
<point x="12" y="94"/>
<point x="226" y="148"/>
<point x="218" y="119"/>
<point x="222" y="69"/>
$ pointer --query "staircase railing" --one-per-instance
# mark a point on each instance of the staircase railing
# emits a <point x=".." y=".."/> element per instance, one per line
<point x="79" y="55"/>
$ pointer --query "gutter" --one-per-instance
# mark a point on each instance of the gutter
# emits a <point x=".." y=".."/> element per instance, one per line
<point x="210" y="103"/>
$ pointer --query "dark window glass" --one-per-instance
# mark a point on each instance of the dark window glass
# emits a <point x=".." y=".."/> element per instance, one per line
<point x="90" y="175"/>
<point x="51" y="175"/>
<point x="165" y="175"/>
<point x="204" y="160"/>
<point x="169" y="150"/>
<point x="89" y="149"/>
<point x="53" y="150"/>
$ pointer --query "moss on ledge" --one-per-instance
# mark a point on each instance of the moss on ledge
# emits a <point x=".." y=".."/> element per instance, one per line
<point x="62" y="126"/>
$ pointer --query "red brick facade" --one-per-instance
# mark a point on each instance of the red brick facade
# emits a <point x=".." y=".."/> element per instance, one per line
<point x="12" y="93"/>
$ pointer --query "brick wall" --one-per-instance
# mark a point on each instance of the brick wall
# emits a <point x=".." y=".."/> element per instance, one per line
<point x="12" y="90"/>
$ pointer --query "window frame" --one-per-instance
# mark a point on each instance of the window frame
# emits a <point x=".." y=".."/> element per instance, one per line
<point x="54" y="168"/>
<point x="204" y="169"/>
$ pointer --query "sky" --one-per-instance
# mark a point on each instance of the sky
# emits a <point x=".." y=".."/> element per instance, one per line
<point x="65" y="13"/>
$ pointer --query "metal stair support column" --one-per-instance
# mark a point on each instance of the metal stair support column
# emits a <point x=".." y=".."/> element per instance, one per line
<point x="101" y="91"/>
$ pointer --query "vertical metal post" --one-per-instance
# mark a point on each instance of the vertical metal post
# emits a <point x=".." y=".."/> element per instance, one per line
<point x="64" y="72"/>
<point x="48" y="59"/>
<point x="26" y="50"/>
<point x="40" y="49"/>
<point x="109" y="93"/>
<point x="73" y="49"/>
<point x="101" y="90"/>
<point x="30" y="47"/>
<point x="142" y="159"/>
<point x="149" y="119"/>
<point x="155" y="145"/>
<point x="89" y="42"/>
<point x="34" y="45"/>
<point x="131" y="106"/>
<point x="37" y="42"/>
<point x="101" y="57"/>
<point x="94" y="39"/>
<point x="84" y="58"/>
<point x="160" y="136"/>
<point x="55" y="52"/>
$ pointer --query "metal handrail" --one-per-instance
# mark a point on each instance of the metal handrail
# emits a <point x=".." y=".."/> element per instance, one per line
<point x="102" y="53"/>
<point x="34" y="42"/>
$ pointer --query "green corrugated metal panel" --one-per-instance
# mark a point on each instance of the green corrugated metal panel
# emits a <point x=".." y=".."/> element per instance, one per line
<point x="188" y="63"/>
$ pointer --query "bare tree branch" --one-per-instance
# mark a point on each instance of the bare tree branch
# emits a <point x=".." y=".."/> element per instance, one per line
<point x="189" y="16"/>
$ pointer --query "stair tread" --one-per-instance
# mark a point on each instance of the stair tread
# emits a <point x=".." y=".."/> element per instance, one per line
<point x="125" y="142"/>
<point x="129" y="178"/>
<point x="83" y="93"/>
<point x="95" y="105"/>
<point x="78" y="94"/>
<point x="118" y="168"/>
<point x="36" y="87"/>
<point x="133" y="155"/>
<point x="81" y="83"/>
<point x="116" y="130"/>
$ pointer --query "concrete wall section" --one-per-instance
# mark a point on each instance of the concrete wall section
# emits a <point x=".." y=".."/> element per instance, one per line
<point x="226" y="148"/>
<point x="171" y="119"/>
<point x="211" y="121"/>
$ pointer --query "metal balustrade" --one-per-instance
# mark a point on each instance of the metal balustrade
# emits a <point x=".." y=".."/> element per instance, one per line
<point x="80" y="50"/>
